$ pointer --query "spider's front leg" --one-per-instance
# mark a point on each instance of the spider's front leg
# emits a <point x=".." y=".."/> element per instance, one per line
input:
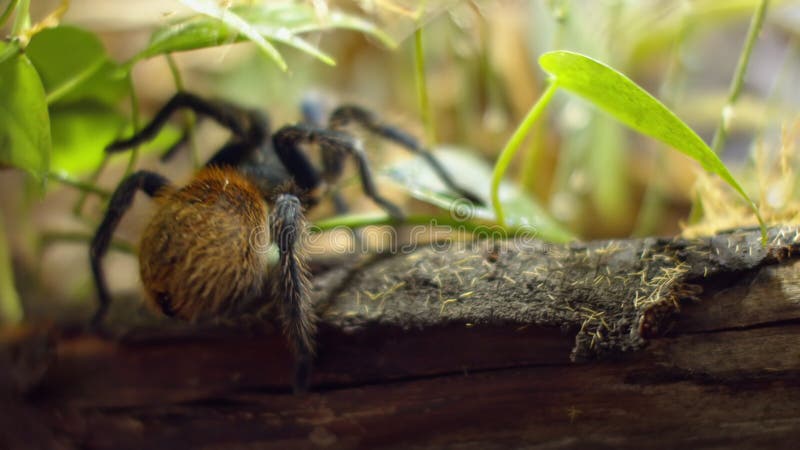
<point x="344" y="115"/>
<point x="249" y="128"/>
<point x="335" y="146"/>
<point x="291" y="285"/>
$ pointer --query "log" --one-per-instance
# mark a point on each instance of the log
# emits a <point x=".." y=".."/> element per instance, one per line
<point x="651" y="343"/>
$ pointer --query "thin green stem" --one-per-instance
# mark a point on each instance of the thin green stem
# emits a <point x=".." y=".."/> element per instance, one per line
<point x="190" y="119"/>
<point x="10" y="304"/>
<point x="88" y="188"/>
<point x="78" y="208"/>
<point x="49" y="238"/>
<point x="353" y="221"/>
<point x="22" y="20"/>
<point x="422" y="88"/>
<point x="7" y="12"/>
<point x="721" y="134"/>
<point x="532" y="159"/>
<point x="135" y="122"/>
<point x="507" y="154"/>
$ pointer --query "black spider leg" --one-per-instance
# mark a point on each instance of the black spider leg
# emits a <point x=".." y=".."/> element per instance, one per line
<point x="173" y="149"/>
<point x="250" y="128"/>
<point x="286" y="143"/>
<point x="148" y="182"/>
<point x="346" y="114"/>
<point x="314" y="115"/>
<point x="292" y="285"/>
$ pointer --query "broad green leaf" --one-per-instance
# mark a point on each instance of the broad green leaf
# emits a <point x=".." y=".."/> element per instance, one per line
<point x="65" y="57"/>
<point x="8" y="49"/>
<point x="24" y="120"/>
<point x="82" y="131"/>
<point x="522" y="212"/>
<point x="234" y="22"/>
<point x="107" y="85"/>
<point x="620" y="97"/>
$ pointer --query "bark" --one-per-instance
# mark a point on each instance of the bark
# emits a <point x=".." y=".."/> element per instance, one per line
<point x="654" y="343"/>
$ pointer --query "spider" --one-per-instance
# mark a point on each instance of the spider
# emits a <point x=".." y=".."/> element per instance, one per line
<point x="196" y="258"/>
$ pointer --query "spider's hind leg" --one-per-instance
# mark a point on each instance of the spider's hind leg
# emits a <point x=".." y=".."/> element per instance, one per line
<point x="291" y="285"/>
<point x="344" y="115"/>
<point x="148" y="182"/>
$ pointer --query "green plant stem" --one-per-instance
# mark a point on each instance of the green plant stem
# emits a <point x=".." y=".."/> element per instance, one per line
<point x="49" y="238"/>
<point x="422" y="89"/>
<point x="88" y="188"/>
<point x="22" y="19"/>
<point x="78" y="208"/>
<point x="532" y="160"/>
<point x="135" y="122"/>
<point x="189" y="117"/>
<point x="352" y="221"/>
<point x="508" y="152"/>
<point x="10" y="305"/>
<point x="7" y="12"/>
<point x="721" y="134"/>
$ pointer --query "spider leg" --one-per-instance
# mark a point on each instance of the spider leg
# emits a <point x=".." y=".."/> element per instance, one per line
<point x="313" y="111"/>
<point x="344" y="115"/>
<point x="234" y="153"/>
<point x="246" y="125"/>
<point x="292" y="285"/>
<point x="148" y="182"/>
<point x="173" y="149"/>
<point x="334" y="145"/>
<point x="340" y="204"/>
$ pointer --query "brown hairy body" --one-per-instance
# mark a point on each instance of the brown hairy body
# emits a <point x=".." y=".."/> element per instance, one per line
<point x="199" y="253"/>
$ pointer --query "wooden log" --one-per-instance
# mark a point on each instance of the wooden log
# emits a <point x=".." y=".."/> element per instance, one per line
<point x="677" y="343"/>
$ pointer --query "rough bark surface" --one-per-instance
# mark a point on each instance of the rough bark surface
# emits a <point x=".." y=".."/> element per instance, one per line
<point x="654" y="343"/>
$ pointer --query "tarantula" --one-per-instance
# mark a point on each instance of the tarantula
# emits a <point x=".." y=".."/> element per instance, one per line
<point x="196" y="256"/>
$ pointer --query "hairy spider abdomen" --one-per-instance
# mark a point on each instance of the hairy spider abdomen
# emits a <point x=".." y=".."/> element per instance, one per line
<point x="204" y="249"/>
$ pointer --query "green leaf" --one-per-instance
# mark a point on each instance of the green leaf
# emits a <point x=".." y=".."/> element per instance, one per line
<point x="24" y="120"/>
<point x="82" y="131"/>
<point x="65" y="57"/>
<point x="234" y="22"/>
<point x="522" y="212"/>
<point x="620" y="97"/>
<point x="302" y="18"/>
<point x="204" y="32"/>
<point x="9" y="49"/>
<point x="107" y="85"/>
<point x="274" y="22"/>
